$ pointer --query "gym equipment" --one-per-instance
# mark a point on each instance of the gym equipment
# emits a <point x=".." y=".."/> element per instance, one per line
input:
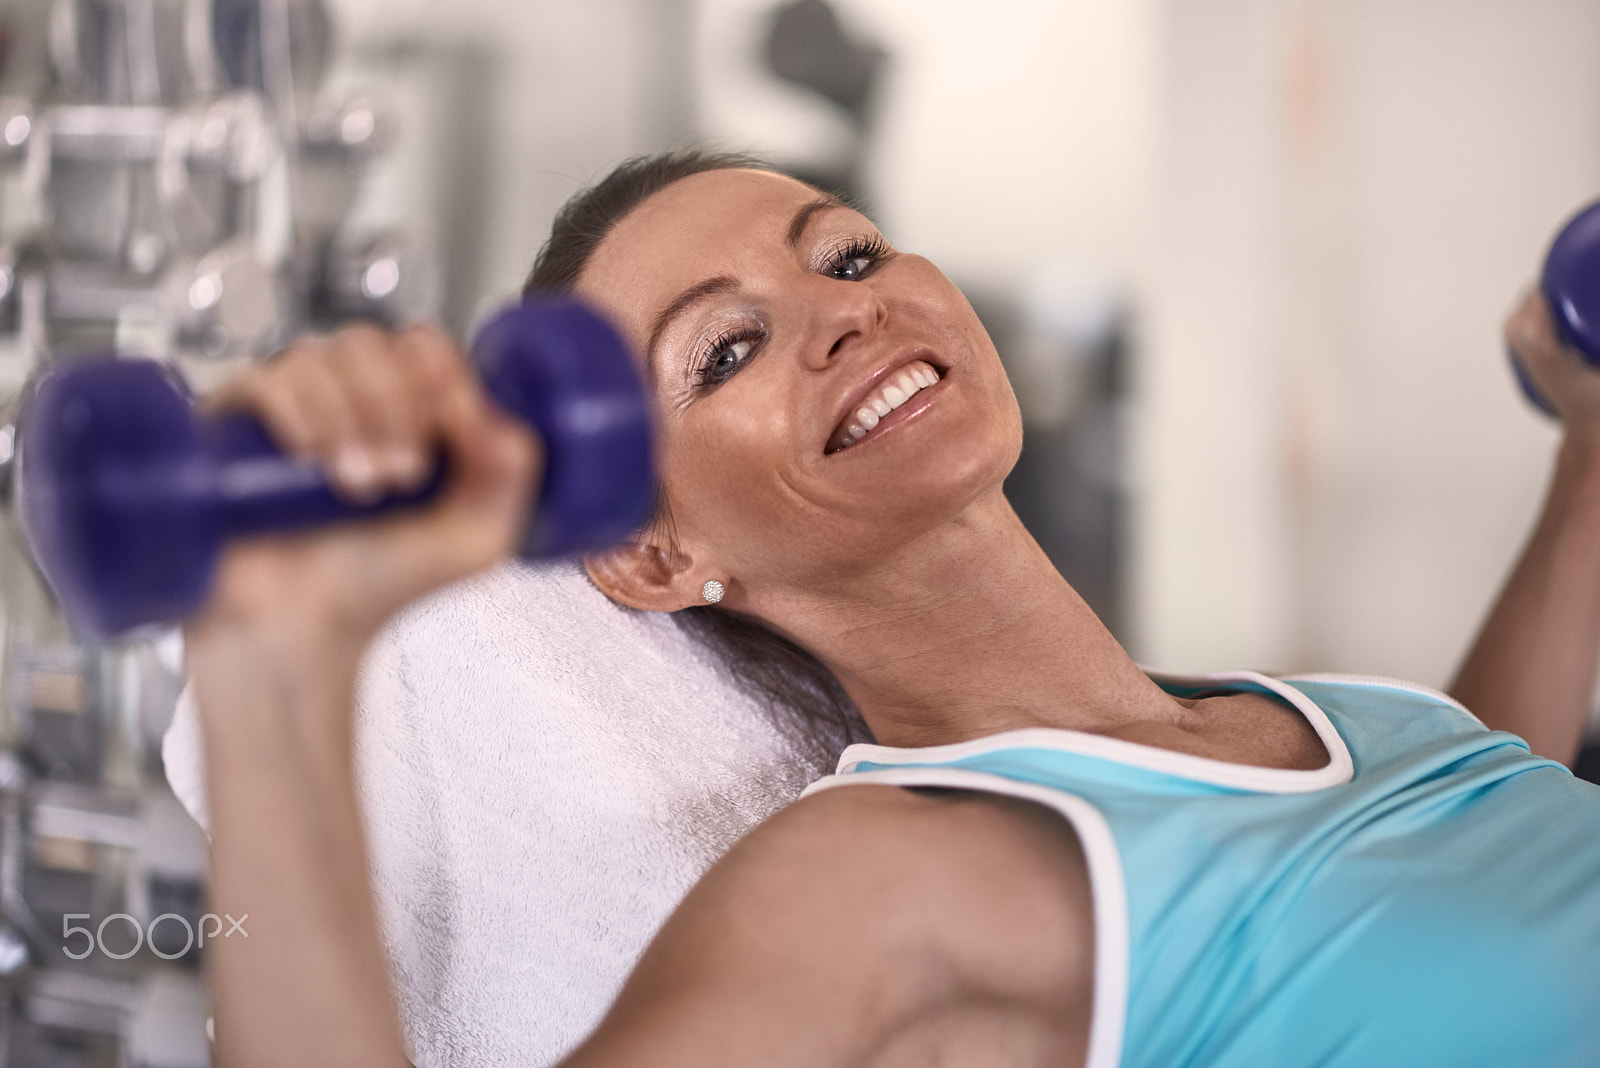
<point x="180" y="180"/>
<point x="126" y="498"/>
<point x="1571" y="284"/>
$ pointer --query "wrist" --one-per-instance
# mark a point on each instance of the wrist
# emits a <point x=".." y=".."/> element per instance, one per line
<point x="1582" y="444"/>
<point x="253" y="675"/>
<point x="1578" y="464"/>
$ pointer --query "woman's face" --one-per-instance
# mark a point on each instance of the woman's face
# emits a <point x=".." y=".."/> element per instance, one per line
<point x="769" y="316"/>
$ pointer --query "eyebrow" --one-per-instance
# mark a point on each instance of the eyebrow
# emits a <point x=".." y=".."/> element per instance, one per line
<point x="802" y="219"/>
<point x="723" y="283"/>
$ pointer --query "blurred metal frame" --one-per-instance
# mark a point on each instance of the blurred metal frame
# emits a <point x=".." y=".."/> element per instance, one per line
<point x="178" y="185"/>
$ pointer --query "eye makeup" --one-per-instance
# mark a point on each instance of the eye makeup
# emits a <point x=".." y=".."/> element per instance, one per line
<point x="719" y="357"/>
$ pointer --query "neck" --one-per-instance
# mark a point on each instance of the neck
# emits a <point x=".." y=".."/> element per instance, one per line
<point x="968" y="632"/>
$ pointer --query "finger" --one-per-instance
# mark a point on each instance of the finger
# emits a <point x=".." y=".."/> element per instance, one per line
<point x="495" y="465"/>
<point x="386" y="410"/>
<point x="1555" y="368"/>
<point x="316" y="383"/>
<point x="430" y="366"/>
<point x="302" y="386"/>
<point x="1530" y="331"/>
<point x="293" y="415"/>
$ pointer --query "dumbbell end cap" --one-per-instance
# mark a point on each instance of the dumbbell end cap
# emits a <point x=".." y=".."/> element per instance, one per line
<point x="1571" y="282"/>
<point x="112" y="495"/>
<point x="563" y="368"/>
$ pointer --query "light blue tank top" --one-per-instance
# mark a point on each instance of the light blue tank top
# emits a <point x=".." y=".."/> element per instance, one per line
<point x="1430" y="897"/>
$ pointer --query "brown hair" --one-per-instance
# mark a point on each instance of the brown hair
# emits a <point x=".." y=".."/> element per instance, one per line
<point x="807" y="702"/>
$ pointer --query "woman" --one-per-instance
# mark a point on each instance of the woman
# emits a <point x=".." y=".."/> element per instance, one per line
<point x="1244" y="874"/>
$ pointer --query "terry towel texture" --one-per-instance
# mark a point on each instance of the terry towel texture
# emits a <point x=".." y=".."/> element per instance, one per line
<point x="544" y="775"/>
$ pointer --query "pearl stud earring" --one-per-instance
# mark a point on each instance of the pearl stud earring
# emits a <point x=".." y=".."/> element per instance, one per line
<point x="712" y="591"/>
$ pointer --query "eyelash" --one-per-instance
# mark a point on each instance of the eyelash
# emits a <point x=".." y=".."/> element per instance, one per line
<point x="872" y="249"/>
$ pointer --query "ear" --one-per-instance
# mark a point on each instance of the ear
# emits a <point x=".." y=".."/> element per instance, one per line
<point x="643" y="574"/>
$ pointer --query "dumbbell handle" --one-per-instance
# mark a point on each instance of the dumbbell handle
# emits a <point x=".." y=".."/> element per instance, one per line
<point x="261" y="491"/>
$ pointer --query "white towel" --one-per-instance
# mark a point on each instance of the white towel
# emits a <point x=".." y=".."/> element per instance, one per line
<point x="544" y="775"/>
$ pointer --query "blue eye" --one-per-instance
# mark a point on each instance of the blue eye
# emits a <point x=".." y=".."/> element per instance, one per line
<point x="725" y="355"/>
<point x="856" y="260"/>
<point x="853" y="269"/>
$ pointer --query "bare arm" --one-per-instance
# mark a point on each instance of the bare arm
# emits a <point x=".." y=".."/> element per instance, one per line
<point x="1531" y="670"/>
<point x="273" y="660"/>
<point x="309" y="984"/>
<point x="871" y="925"/>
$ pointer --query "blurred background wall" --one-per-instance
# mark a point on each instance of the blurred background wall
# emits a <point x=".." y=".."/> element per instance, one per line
<point x="1335" y="469"/>
<point x="1249" y="256"/>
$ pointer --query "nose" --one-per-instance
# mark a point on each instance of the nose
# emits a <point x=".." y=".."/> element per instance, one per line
<point x="845" y="313"/>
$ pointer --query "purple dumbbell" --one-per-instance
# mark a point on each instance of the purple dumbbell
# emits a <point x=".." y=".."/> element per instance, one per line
<point x="1571" y="283"/>
<point x="127" y="497"/>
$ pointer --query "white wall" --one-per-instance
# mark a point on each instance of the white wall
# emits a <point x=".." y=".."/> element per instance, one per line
<point x="1336" y="470"/>
<point x="1014" y="133"/>
<point x="580" y="87"/>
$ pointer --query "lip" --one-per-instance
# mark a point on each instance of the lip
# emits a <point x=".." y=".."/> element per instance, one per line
<point x="860" y="393"/>
<point x="919" y="402"/>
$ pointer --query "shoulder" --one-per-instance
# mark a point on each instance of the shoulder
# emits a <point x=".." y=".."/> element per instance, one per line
<point x="995" y="886"/>
<point x="871" y="924"/>
<point x="925" y="830"/>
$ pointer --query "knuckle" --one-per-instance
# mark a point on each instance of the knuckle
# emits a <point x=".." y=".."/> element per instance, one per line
<point x="523" y="449"/>
<point x="362" y="335"/>
<point x="1530" y="336"/>
<point x="259" y="392"/>
<point x="303" y="351"/>
<point x="240" y="390"/>
<point x="369" y="384"/>
<point x="287" y="422"/>
<point x="427" y="333"/>
<point x="1516" y="334"/>
<point x="433" y="355"/>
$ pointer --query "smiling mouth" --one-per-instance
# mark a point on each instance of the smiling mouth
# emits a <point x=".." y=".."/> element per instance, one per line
<point x="877" y="410"/>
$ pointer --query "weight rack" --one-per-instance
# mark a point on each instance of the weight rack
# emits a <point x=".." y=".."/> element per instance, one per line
<point x="177" y="182"/>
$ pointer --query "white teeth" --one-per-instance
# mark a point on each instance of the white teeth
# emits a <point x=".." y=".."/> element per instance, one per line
<point x="889" y="397"/>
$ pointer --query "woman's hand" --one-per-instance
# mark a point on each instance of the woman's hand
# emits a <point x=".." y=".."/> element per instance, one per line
<point x="373" y="409"/>
<point x="1567" y="380"/>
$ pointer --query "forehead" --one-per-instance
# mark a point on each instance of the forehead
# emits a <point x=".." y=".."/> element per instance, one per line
<point x="697" y="227"/>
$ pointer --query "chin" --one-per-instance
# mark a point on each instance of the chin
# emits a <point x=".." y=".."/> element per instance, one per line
<point x="951" y="467"/>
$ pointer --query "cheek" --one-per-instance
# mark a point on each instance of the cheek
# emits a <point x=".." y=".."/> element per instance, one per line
<point x="942" y="312"/>
<point x="722" y="468"/>
<point x="1005" y="399"/>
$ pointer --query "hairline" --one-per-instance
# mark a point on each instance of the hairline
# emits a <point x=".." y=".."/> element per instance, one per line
<point x="843" y="201"/>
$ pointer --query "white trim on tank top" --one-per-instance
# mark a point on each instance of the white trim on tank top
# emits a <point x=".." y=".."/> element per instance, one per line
<point x="1338" y="770"/>
<point x="1384" y="682"/>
